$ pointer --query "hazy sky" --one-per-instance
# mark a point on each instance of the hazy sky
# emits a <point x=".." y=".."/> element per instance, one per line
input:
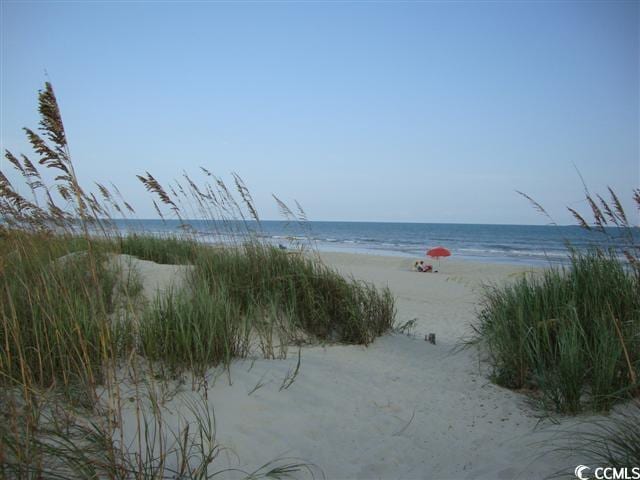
<point x="380" y="111"/>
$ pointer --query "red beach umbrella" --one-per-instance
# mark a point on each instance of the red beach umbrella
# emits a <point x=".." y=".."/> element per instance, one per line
<point x="438" y="252"/>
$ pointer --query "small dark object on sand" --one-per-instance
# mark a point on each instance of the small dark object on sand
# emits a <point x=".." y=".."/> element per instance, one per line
<point x="431" y="338"/>
<point x="281" y="246"/>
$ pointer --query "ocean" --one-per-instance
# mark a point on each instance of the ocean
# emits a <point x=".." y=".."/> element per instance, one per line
<point x="518" y="244"/>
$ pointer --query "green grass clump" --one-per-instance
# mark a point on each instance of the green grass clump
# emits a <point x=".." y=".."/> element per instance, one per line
<point x="166" y="250"/>
<point x="55" y="307"/>
<point x="61" y="312"/>
<point x="320" y="301"/>
<point x="258" y="292"/>
<point x="571" y="335"/>
<point x="193" y="329"/>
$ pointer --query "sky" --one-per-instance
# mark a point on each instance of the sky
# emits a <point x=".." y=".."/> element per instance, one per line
<point x="360" y="111"/>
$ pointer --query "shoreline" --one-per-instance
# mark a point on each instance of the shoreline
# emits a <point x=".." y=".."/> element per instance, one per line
<point x="540" y="245"/>
<point x="490" y="260"/>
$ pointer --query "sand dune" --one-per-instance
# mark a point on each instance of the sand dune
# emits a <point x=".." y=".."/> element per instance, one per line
<point x="400" y="408"/>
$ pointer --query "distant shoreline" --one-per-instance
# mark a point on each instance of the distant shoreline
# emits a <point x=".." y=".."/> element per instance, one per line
<point x="506" y="244"/>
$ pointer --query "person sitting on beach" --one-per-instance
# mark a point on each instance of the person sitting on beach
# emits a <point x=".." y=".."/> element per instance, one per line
<point x="423" y="267"/>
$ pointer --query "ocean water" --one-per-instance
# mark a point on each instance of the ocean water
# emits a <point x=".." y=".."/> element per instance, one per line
<point x="521" y="244"/>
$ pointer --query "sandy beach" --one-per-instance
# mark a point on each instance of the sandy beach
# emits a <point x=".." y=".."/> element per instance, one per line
<point x="209" y="227"/>
<point x="399" y="408"/>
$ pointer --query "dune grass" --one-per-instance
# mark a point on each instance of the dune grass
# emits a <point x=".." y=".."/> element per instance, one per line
<point x="257" y="295"/>
<point x="317" y="299"/>
<point x="572" y="334"/>
<point x="75" y="329"/>
<point x="571" y="337"/>
<point x="56" y="305"/>
<point x="71" y="318"/>
<point x="172" y="249"/>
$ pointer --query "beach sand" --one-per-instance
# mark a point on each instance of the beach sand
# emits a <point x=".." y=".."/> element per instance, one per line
<point x="399" y="408"/>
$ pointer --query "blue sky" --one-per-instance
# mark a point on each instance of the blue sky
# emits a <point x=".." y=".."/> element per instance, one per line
<point x="373" y="111"/>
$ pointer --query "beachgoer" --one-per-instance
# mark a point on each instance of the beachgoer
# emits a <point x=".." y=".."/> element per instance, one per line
<point x="423" y="267"/>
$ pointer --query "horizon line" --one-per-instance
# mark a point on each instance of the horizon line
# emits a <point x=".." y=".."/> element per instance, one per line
<point x="365" y="221"/>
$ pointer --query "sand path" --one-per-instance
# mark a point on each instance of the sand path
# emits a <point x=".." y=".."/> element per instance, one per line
<point x="400" y="408"/>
